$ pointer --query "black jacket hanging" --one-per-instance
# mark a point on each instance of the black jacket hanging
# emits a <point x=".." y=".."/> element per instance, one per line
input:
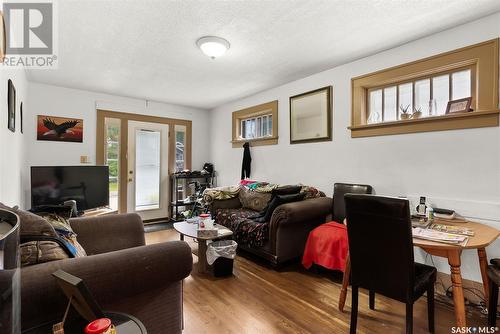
<point x="247" y="160"/>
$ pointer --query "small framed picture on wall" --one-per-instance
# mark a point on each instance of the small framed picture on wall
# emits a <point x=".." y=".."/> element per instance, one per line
<point x="53" y="128"/>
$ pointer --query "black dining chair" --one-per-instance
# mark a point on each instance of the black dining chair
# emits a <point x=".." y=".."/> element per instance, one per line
<point x="494" y="277"/>
<point x="339" y="191"/>
<point x="381" y="252"/>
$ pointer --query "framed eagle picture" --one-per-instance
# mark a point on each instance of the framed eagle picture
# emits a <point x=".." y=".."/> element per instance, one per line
<point x="53" y="128"/>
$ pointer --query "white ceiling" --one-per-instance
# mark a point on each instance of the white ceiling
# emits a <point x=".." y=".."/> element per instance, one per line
<point x="146" y="49"/>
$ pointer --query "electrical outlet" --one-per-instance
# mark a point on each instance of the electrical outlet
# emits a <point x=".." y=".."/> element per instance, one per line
<point x="84" y="159"/>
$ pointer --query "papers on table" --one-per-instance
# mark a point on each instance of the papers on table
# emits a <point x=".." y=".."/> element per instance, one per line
<point x="438" y="236"/>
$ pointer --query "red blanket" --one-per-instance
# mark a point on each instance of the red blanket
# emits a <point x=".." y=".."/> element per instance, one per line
<point x="327" y="246"/>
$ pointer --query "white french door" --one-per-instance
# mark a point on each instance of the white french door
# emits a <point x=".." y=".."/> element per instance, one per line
<point x="147" y="186"/>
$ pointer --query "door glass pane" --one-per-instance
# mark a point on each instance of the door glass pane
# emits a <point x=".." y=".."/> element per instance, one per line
<point x="461" y="84"/>
<point x="112" y="158"/>
<point x="180" y="148"/>
<point x="390" y="108"/>
<point x="440" y="94"/>
<point x="405" y="98"/>
<point x="375" y="115"/>
<point x="422" y="96"/>
<point x="147" y="169"/>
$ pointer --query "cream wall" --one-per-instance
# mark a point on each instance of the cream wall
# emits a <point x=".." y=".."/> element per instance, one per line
<point x="12" y="172"/>
<point x="67" y="102"/>
<point x="458" y="169"/>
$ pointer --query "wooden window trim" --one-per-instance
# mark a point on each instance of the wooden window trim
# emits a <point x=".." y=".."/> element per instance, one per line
<point x="269" y="108"/>
<point x="482" y="59"/>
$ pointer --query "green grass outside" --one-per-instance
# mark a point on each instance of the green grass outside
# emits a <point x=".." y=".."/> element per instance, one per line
<point x="113" y="186"/>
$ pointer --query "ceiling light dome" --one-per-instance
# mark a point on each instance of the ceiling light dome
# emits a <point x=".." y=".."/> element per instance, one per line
<point x="213" y="46"/>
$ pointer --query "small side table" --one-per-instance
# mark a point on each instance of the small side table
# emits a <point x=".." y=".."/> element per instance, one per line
<point x="124" y="323"/>
<point x="191" y="231"/>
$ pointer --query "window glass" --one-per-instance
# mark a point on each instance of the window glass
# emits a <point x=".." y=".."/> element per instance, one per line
<point x="440" y="94"/>
<point x="422" y="96"/>
<point x="180" y="148"/>
<point x="112" y="159"/>
<point x="461" y="84"/>
<point x="147" y="169"/>
<point x="257" y="127"/>
<point x="375" y="115"/>
<point x="405" y="98"/>
<point x="264" y="125"/>
<point x="390" y="108"/>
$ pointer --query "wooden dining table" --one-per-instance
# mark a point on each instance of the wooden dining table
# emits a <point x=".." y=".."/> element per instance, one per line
<point x="484" y="235"/>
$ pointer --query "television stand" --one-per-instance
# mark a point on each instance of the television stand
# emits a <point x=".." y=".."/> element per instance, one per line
<point x="98" y="212"/>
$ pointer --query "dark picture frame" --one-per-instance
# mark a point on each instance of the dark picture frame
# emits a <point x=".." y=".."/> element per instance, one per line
<point x="311" y="116"/>
<point x="459" y="106"/>
<point x="3" y="38"/>
<point x="21" y="118"/>
<point x="11" y="106"/>
<point x="79" y="295"/>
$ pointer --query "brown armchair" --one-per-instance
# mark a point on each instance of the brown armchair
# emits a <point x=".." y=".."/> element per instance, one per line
<point x="122" y="273"/>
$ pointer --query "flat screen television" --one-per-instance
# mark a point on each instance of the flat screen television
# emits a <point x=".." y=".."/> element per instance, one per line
<point x="87" y="185"/>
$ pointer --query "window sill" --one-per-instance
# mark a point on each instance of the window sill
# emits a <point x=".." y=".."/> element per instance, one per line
<point x="475" y="119"/>
<point x="255" y="142"/>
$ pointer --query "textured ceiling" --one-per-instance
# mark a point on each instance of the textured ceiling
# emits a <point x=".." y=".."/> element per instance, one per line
<point x="146" y="49"/>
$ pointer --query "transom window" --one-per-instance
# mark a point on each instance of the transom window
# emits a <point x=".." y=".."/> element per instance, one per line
<point x="423" y="97"/>
<point x="413" y="97"/>
<point x="256" y="127"/>
<point x="257" y="124"/>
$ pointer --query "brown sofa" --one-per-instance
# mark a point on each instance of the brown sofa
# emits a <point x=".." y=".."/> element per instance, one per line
<point x="288" y="229"/>
<point x="122" y="273"/>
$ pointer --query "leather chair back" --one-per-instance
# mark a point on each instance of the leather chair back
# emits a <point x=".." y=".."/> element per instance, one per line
<point x="380" y="245"/>
<point x="339" y="190"/>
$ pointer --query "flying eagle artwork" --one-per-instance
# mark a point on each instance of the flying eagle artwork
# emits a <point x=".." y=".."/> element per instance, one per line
<point x="62" y="129"/>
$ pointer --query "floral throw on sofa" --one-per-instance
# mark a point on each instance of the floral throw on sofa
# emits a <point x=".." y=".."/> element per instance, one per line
<point x="245" y="230"/>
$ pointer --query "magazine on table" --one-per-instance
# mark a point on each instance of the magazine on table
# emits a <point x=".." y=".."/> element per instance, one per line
<point x="452" y="229"/>
<point x="438" y="236"/>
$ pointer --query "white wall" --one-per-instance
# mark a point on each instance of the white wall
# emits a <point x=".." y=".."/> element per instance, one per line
<point x="12" y="171"/>
<point x="65" y="102"/>
<point x="458" y="169"/>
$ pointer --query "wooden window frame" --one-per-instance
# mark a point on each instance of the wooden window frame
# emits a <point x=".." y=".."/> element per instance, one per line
<point x="123" y="168"/>
<point x="482" y="59"/>
<point x="269" y="108"/>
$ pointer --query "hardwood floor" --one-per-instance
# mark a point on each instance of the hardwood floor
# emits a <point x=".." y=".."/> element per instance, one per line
<point x="258" y="299"/>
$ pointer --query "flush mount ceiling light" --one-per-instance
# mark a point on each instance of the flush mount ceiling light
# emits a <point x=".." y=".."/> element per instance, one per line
<point x="213" y="46"/>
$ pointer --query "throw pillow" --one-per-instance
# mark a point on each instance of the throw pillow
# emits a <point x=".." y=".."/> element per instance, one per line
<point x="277" y="201"/>
<point x="253" y="200"/>
<point x="311" y="192"/>
<point x="63" y="228"/>
<point x="31" y="224"/>
<point x="287" y="190"/>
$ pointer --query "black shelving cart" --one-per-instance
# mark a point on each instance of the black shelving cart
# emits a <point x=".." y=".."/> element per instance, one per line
<point x="180" y="190"/>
